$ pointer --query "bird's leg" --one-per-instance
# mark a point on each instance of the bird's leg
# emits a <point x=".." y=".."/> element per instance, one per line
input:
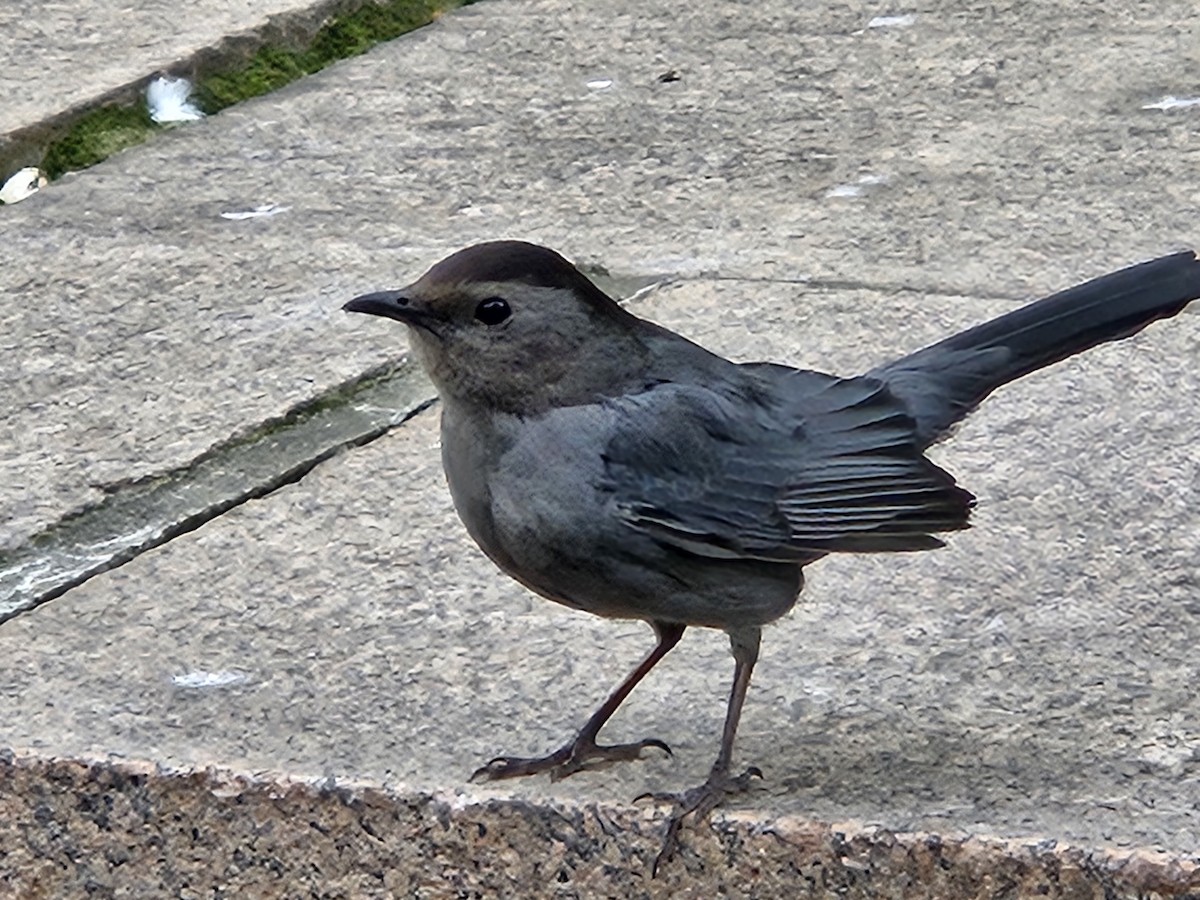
<point x="573" y="756"/>
<point x="702" y="800"/>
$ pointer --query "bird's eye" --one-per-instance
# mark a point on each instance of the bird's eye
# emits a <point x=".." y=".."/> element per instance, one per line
<point x="492" y="311"/>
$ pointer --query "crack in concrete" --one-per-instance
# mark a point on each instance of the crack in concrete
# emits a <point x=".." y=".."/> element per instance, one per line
<point x="847" y="284"/>
<point x="140" y="515"/>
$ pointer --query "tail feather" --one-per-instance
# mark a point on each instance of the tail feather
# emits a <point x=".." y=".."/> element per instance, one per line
<point x="942" y="383"/>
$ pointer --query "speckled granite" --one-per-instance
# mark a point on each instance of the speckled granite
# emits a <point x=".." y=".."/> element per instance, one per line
<point x="77" y="829"/>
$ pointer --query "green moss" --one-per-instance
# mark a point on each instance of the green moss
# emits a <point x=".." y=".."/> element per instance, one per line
<point x="270" y="68"/>
<point x="343" y="36"/>
<point x="105" y="131"/>
<point x="98" y="135"/>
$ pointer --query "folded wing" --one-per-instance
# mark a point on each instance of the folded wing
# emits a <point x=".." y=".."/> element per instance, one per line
<point x="786" y="466"/>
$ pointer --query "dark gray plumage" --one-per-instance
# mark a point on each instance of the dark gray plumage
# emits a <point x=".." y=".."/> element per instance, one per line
<point x="618" y="468"/>
<point x="942" y="383"/>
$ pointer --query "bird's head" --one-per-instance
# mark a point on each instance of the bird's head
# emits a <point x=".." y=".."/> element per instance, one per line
<point x="512" y="326"/>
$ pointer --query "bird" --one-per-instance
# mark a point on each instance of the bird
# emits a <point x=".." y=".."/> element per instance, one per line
<point x="616" y="467"/>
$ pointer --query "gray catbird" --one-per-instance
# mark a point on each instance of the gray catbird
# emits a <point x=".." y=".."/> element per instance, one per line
<point x="613" y="466"/>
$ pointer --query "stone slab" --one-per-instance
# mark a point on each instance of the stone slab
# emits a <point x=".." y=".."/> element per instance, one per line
<point x="1031" y="681"/>
<point x="145" y="327"/>
<point x="65" y="54"/>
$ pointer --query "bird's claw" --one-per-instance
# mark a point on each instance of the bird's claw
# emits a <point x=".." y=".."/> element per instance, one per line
<point x="580" y="754"/>
<point x="698" y="802"/>
<point x="515" y="766"/>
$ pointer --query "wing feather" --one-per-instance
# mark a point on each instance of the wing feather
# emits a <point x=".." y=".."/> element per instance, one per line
<point x="789" y="465"/>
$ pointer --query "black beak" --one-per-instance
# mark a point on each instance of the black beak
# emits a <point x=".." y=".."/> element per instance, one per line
<point x="392" y="305"/>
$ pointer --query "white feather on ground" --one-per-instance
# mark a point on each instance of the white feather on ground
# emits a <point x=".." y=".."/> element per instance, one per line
<point x="169" y="100"/>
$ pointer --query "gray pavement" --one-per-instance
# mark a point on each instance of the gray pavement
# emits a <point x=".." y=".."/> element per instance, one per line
<point x="1032" y="681"/>
<point x="58" y="55"/>
<point x="56" y="58"/>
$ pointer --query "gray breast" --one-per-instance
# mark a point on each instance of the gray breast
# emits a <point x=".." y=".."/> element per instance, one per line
<point x="537" y="503"/>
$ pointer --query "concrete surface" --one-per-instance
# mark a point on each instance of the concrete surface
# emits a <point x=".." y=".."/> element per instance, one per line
<point x="60" y="58"/>
<point x="149" y="512"/>
<point x="1030" y="683"/>
<point x="54" y="56"/>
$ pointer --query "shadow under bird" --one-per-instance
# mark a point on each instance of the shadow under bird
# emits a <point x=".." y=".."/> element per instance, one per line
<point x="616" y="467"/>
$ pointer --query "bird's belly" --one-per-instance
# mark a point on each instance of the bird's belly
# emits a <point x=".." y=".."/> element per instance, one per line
<point x="564" y="540"/>
<point x="533" y="496"/>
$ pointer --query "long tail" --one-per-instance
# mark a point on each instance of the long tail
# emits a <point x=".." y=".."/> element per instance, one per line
<point x="942" y="383"/>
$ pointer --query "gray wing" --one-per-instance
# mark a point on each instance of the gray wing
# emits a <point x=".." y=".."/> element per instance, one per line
<point x="786" y="466"/>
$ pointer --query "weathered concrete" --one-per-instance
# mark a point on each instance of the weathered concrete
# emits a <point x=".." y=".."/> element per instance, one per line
<point x="143" y="514"/>
<point x="1033" y="681"/>
<point x="60" y="58"/>
<point x="54" y="56"/>
<point x="69" y="55"/>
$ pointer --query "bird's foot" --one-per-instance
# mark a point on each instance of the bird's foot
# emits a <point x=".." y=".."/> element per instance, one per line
<point x="581" y="753"/>
<point x="698" y="802"/>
